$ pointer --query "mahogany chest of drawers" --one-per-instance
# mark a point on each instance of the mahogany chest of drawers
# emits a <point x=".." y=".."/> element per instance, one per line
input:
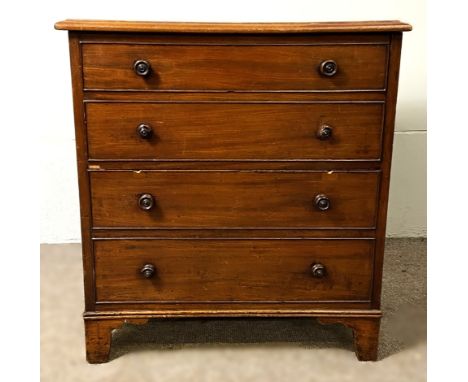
<point x="232" y="170"/>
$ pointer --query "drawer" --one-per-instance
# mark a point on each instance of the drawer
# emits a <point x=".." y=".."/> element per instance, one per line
<point x="233" y="199"/>
<point x="220" y="270"/>
<point x="241" y="67"/>
<point x="217" y="131"/>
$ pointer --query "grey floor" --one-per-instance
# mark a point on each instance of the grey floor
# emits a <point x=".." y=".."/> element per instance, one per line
<point x="236" y="349"/>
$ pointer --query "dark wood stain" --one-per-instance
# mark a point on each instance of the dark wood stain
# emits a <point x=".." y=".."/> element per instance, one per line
<point x="232" y="168"/>
<point x="238" y="28"/>
<point x="239" y="270"/>
<point x="205" y="199"/>
<point x="234" y="131"/>
<point x="225" y="68"/>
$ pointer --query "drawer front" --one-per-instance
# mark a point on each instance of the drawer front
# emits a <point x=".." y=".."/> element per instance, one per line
<point x="233" y="270"/>
<point x="250" y="68"/>
<point x="233" y="199"/>
<point x="219" y="131"/>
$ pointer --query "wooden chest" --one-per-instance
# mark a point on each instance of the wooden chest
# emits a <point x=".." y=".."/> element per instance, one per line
<point x="232" y="170"/>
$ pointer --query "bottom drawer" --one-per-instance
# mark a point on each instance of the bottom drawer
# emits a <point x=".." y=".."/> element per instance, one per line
<point x="233" y="270"/>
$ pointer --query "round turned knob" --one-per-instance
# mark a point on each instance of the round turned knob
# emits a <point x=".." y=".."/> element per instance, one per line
<point x="328" y="68"/>
<point x="145" y="131"/>
<point x="146" y="202"/>
<point x="141" y="67"/>
<point x="324" y="132"/>
<point x="318" y="271"/>
<point x="148" y="271"/>
<point x="322" y="202"/>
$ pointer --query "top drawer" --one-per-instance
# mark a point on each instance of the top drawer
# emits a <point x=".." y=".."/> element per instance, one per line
<point x="241" y="67"/>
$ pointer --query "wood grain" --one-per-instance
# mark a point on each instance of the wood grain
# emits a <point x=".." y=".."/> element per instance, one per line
<point x="192" y="27"/>
<point x="99" y="325"/>
<point x="234" y="169"/>
<point x="234" y="131"/>
<point x="235" y="270"/>
<point x="230" y="39"/>
<point x="290" y="97"/>
<point x="264" y="68"/>
<point x="193" y="233"/>
<point x="365" y="332"/>
<point x="233" y="199"/>
<point x="394" y="71"/>
<point x="231" y="308"/>
<point x="98" y="335"/>
<point x="82" y="162"/>
<point x="216" y="311"/>
<point x="233" y="165"/>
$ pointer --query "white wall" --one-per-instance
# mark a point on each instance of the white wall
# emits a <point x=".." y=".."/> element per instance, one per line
<point x="59" y="194"/>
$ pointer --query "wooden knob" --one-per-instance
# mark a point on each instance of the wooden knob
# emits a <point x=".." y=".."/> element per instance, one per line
<point x="141" y="67"/>
<point x="328" y="68"/>
<point x="318" y="271"/>
<point x="146" y="202"/>
<point x="148" y="271"/>
<point x="324" y="132"/>
<point x="322" y="202"/>
<point x="145" y="131"/>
